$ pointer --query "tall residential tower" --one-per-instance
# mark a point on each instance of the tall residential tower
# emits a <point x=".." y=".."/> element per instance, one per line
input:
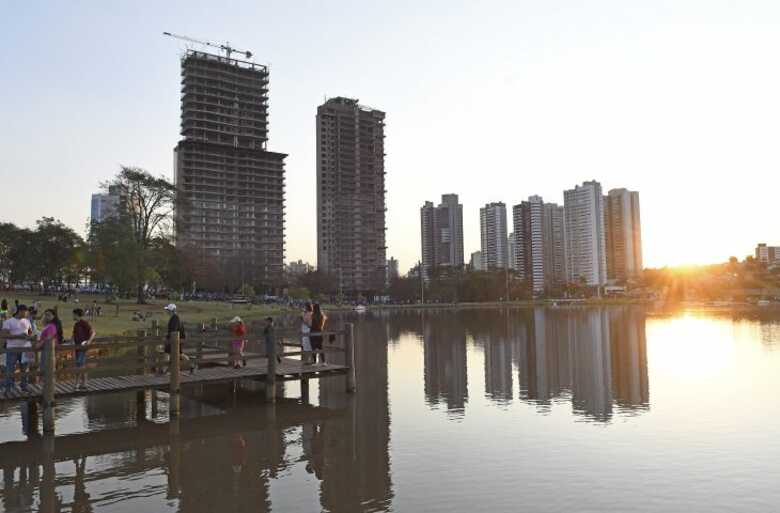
<point x="351" y="195"/>
<point x="230" y="199"/>
<point x="623" y="230"/>
<point x="441" y="230"/>
<point x="586" y="258"/>
<point x="493" y="236"/>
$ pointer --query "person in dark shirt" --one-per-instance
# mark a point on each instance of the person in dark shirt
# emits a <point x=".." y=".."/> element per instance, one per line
<point x="268" y="335"/>
<point x="83" y="335"/>
<point x="175" y="325"/>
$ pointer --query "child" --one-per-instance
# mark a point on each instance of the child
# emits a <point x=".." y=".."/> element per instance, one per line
<point x="238" y="330"/>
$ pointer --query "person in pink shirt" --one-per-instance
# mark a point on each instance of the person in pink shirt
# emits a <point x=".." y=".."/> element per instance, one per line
<point x="51" y="331"/>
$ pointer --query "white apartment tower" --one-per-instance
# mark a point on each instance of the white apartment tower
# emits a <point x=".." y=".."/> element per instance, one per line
<point x="586" y="259"/>
<point x="528" y="218"/>
<point x="493" y="235"/>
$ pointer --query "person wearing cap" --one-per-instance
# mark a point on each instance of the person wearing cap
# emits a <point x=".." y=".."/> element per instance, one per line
<point x="20" y="329"/>
<point x="175" y="325"/>
<point x="238" y="330"/>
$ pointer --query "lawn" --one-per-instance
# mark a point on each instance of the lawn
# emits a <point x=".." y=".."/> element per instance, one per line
<point x="118" y="322"/>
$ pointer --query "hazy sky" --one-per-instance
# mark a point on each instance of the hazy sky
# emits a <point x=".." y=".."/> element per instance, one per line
<point x="494" y="101"/>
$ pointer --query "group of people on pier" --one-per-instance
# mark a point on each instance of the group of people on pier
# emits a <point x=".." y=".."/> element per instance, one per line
<point x="20" y="331"/>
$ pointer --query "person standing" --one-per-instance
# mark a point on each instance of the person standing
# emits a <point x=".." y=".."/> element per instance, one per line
<point x="318" y="322"/>
<point x="268" y="336"/>
<point x="175" y="325"/>
<point x="52" y="331"/>
<point x="238" y="330"/>
<point x="83" y="335"/>
<point x="20" y="328"/>
<point x="3" y="310"/>
<point x="306" y="318"/>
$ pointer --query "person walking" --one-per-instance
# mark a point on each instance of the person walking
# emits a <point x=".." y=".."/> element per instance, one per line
<point x="4" y="310"/>
<point x="238" y="330"/>
<point x="83" y="335"/>
<point x="306" y="318"/>
<point x="175" y="325"/>
<point x="318" y="322"/>
<point x="20" y="328"/>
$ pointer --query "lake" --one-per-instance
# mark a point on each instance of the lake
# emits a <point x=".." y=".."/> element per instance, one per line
<point x="561" y="410"/>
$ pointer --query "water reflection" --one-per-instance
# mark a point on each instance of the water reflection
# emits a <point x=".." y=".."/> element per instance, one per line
<point x="596" y="358"/>
<point x="215" y="462"/>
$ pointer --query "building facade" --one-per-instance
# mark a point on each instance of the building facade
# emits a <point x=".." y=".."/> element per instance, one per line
<point x="393" y="272"/>
<point x="441" y="234"/>
<point x="230" y="189"/>
<point x="476" y="261"/>
<point x="586" y="259"/>
<point x="768" y="255"/>
<point x="106" y="204"/>
<point x="351" y="195"/>
<point x="493" y="236"/>
<point x="528" y="220"/>
<point x="511" y="246"/>
<point x="554" y="246"/>
<point x="623" y="235"/>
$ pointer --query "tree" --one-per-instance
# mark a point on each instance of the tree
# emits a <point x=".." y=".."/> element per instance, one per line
<point x="52" y="250"/>
<point x="146" y="205"/>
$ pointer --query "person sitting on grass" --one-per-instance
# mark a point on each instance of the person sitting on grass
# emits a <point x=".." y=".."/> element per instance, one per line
<point x="83" y="335"/>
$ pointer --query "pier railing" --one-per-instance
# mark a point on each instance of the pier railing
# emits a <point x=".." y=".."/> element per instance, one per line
<point x="51" y="370"/>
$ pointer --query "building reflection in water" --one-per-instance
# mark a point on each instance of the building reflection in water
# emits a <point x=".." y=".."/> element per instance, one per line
<point x="596" y="358"/>
<point x="444" y="357"/>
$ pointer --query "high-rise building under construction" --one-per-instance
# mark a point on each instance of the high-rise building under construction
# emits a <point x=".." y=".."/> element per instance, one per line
<point x="351" y="195"/>
<point x="230" y="199"/>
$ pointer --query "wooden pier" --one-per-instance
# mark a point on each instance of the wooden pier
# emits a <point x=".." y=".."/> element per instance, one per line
<point x="123" y="364"/>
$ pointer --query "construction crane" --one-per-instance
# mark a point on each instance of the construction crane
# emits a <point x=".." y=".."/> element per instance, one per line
<point x="224" y="47"/>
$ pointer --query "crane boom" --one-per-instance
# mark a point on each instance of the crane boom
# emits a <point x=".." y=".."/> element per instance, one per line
<point x="224" y="47"/>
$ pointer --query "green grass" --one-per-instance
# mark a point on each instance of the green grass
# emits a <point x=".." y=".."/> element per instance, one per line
<point x="112" y="323"/>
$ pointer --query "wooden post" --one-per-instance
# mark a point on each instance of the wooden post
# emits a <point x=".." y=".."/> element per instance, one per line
<point x="140" y="396"/>
<point x="155" y="328"/>
<point x="48" y="497"/>
<point x="349" y="355"/>
<point x="214" y="323"/>
<point x="305" y="390"/>
<point x="270" y="378"/>
<point x="49" y="382"/>
<point x="174" y="368"/>
<point x="199" y="352"/>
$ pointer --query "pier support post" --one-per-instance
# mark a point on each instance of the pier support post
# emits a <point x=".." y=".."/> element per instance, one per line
<point x="48" y="497"/>
<point x="349" y="356"/>
<point x="270" y="378"/>
<point x="305" y="390"/>
<point x="49" y="382"/>
<point x="175" y="371"/>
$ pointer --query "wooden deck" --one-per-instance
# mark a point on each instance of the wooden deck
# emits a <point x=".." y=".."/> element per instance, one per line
<point x="289" y="369"/>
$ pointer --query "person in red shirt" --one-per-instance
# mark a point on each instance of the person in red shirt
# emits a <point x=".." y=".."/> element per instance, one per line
<point x="83" y="335"/>
<point x="238" y="330"/>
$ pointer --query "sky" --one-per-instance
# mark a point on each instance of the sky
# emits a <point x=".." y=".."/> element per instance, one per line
<point x="493" y="101"/>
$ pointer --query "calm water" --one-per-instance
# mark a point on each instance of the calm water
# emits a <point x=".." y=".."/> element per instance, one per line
<point x="480" y="410"/>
